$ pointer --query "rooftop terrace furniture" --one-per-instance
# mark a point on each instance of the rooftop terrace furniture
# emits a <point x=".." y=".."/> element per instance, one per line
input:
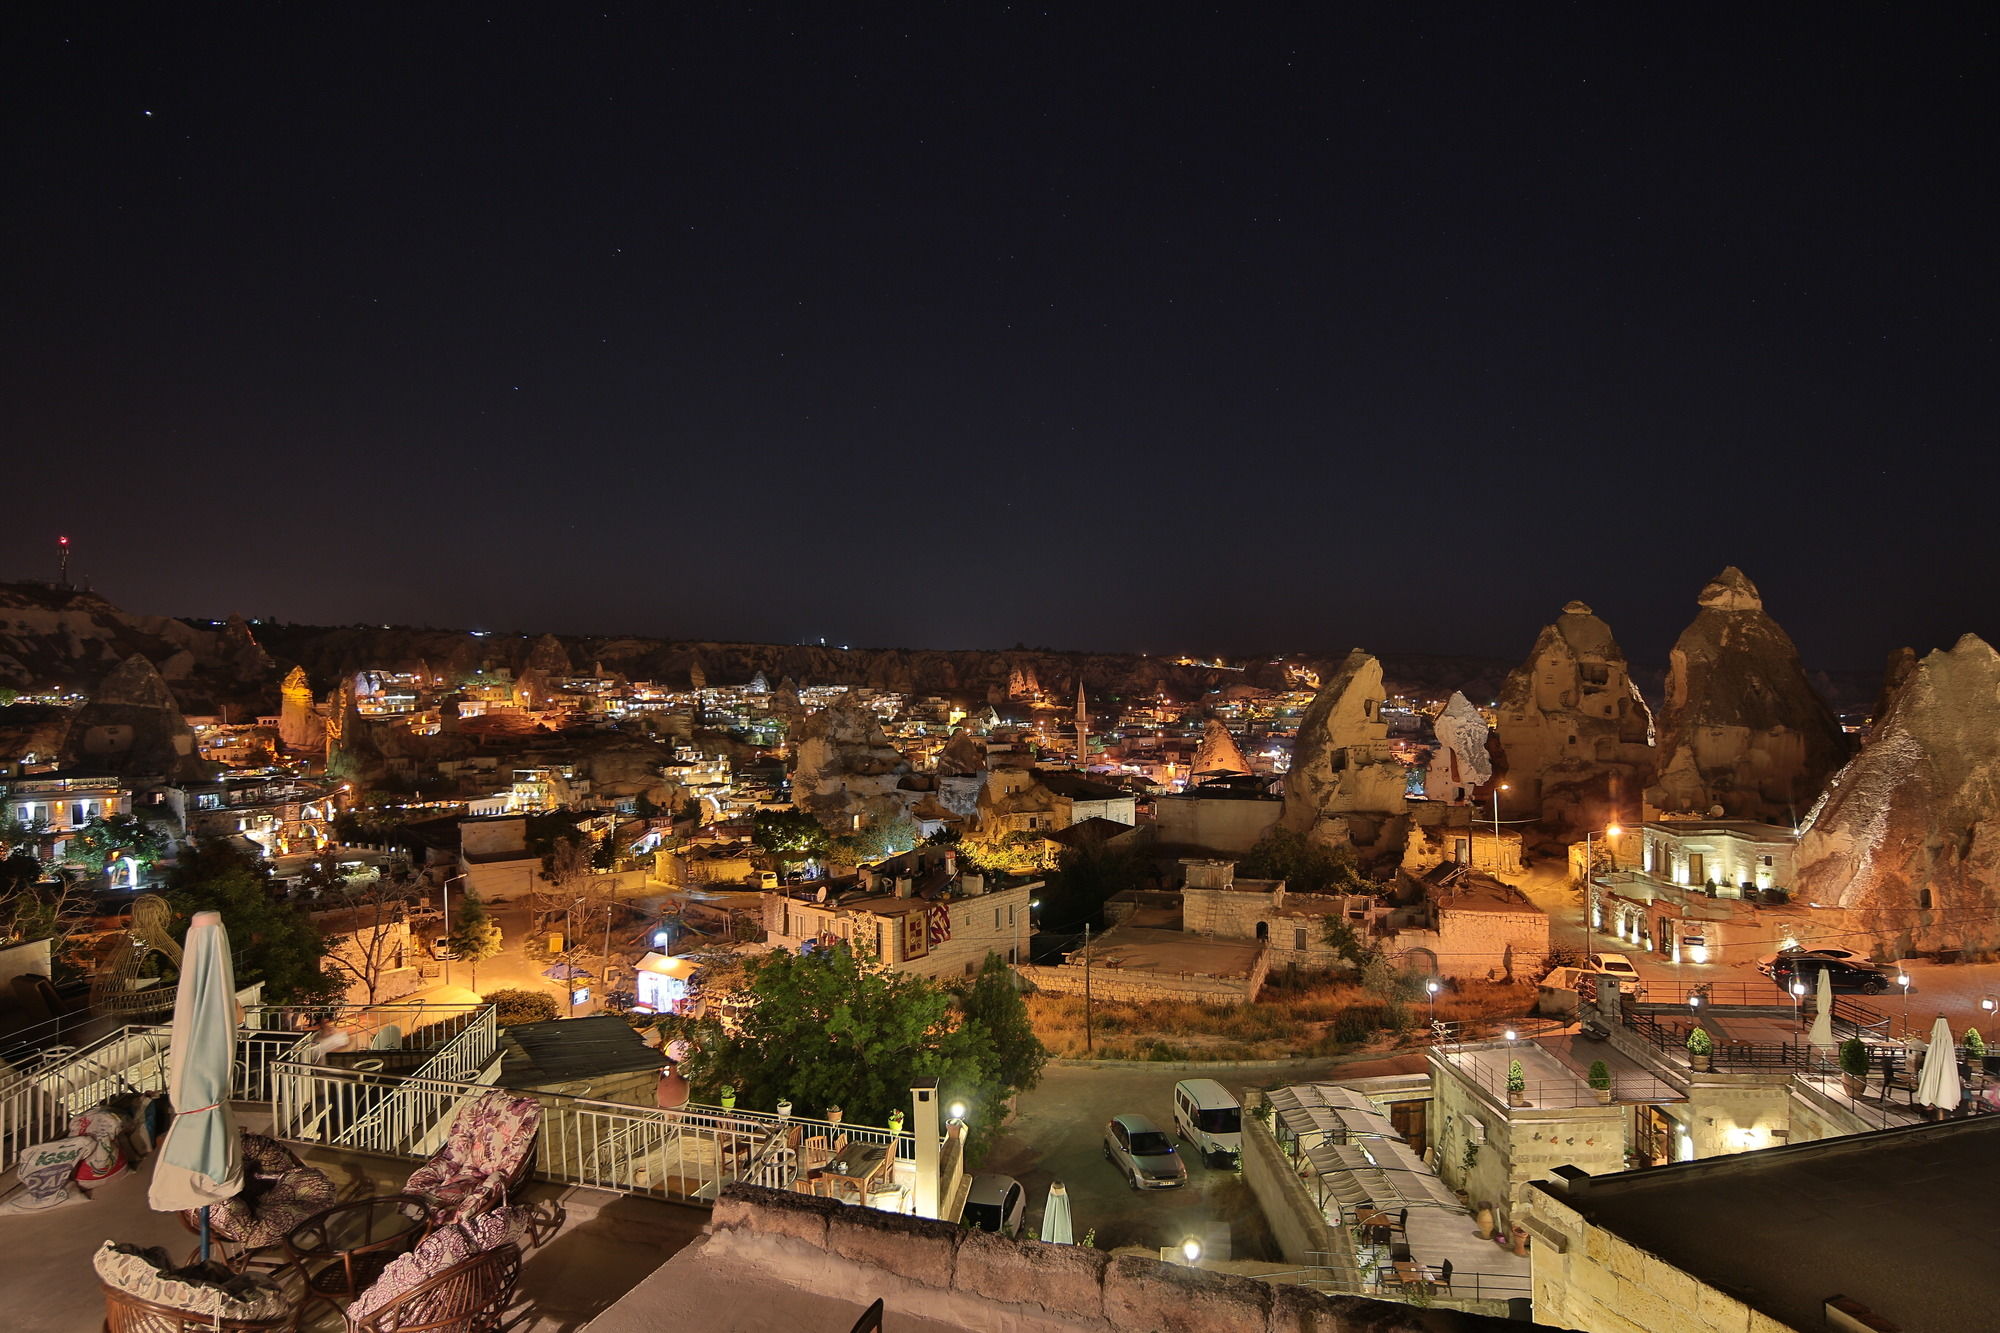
<point x="487" y="1153"/>
<point x="279" y="1193"/>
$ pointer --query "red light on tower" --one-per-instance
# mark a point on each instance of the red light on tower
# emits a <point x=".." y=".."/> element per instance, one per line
<point x="63" y="545"/>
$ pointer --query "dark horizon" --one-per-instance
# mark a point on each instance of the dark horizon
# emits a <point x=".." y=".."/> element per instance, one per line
<point x="928" y="326"/>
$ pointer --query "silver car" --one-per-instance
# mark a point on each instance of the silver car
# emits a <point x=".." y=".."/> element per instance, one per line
<point x="1143" y="1152"/>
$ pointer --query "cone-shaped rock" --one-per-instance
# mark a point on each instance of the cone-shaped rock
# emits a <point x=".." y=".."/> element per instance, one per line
<point x="1577" y="735"/>
<point x="1461" y="762"/>
<point x="133" y="726"/>
<point x="1908" y="834"/>
<point x="1742" y="729"/>
<point x="1218" y="752"/>
<point x="1345" y="785"/>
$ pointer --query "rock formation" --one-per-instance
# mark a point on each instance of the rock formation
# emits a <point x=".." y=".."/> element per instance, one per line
<point x="1742" y="730"/>
<point x="963" y="755"/>
<point x="1345" y="785"/>
<point x="1907" y="836"/>
<point x="1461" y="762"/>
<point x="840" y="757"/>
<point x="1578" y="737"/>
<point x="300" y="726"/>
<point x="133" y="727"/>
<point x="1218" y="752"/>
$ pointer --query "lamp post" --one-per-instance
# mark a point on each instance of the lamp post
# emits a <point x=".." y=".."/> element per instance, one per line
<point x="1903" y="980"/>
<point x="1432" y="987"/>
<point x="1611" y="830"/>
<point x="1496" y="824"/>
<point x="1798" y="1005"/>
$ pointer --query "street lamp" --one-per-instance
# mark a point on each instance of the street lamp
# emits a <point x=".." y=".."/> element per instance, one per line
<point x="1191" y="1251"/>
<point x="1496" y="824"/>
<point x="1798" y="1004"/>
<point x="1903" y="980"/>
<point x="1432" y="987"/>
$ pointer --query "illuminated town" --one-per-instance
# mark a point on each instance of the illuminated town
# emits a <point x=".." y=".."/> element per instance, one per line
<point x="516" y="812"/>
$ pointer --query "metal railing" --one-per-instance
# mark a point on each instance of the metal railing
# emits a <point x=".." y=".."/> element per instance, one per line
<point x="1488" y="1071"/>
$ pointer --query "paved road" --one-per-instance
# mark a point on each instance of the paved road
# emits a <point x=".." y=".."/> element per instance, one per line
<point x="1057" y="1134"/>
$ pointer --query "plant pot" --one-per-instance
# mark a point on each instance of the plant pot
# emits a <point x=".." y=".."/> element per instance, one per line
<point x="785" y="1109"/>
<point x="1516" y="1098"/>
<point x="1699" y="1063"/>
<point x="1603" y="1096"/>
<point x="1483" y="1219"/>
<point x="1852" y="1084"/>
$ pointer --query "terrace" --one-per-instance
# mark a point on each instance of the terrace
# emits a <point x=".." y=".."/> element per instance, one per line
<point x="632" y="1183"/>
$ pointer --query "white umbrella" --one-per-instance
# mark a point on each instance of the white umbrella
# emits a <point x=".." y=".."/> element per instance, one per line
<point x="1055" y="1217"/>
<point x="1938" y="1085"/>
<point x="1822" y="1027"/>
<point x="201" y="1160"/>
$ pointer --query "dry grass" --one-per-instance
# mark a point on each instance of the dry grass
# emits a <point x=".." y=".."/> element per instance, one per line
<point x="1305" y="1019"/>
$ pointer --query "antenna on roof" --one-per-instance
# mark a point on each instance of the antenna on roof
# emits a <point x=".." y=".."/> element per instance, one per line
<point x="62" y="547"/>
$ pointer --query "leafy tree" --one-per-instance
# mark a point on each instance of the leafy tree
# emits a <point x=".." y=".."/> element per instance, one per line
<point x="992" y="1003"/>
<point x="18" y="872"/>
<point x="1394" y="987"/>
<point x="1343" y="938"/>
<point x="880" y="840"/>
<point x="514" y="1005"/>
<point x="828" y="1030"/>
<point x="274" y="941"/>
<point x="102" y="841"/>
<point x="1304" y="865"/>
<point x="475" y="936"/>
<point x="366" y="917"/>
<point x="788" y="835"/>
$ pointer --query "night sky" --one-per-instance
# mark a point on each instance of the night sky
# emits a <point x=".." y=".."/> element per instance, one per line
<point x="1230" y="329"/>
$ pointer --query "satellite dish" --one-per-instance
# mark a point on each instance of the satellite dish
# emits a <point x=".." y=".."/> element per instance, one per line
<point x="820" y="897"/>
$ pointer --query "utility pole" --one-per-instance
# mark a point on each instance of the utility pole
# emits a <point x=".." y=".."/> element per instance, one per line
<point x="1086" y="987"/>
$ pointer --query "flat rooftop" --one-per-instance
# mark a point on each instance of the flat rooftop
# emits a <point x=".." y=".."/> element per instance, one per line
<point x="1145" y="949"/>
<point x="1905" y="1221"/>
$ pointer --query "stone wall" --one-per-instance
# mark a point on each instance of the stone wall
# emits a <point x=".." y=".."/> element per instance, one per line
<point x="1225" y="826"/>
<point x="955" y="1277"/>
<point x="1585" y="1277"/>
<point x="1139" y="987"/>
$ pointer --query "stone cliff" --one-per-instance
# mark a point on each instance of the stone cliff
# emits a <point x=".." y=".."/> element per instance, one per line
<point x="133" y="726"/>
<point x="842" y="761"/>
<point x="1742" y="729"/>
<point x="1218" y="751"/>
<point x="1578" y="737"/>
<point x="1345" y="786"/>
<point x="1908" y="833"/>
<point x="55" y="638"/>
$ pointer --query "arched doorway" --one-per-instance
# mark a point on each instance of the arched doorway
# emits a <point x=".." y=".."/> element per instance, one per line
<point x="1420" y="962"/>
<point x="1263" y="930"/>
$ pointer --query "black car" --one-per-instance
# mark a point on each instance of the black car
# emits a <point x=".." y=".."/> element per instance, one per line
<point x="1844" y="974"/>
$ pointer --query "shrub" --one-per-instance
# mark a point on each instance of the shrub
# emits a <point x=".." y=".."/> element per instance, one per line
<point x="1975" y="1045"/>
<point x="1600" y="1075"/>
<point x="513" y="1005"/>
<point x="1700" y="1043"/>
<point x="1517" y="1079"/>
<point x="1854" y="1057"/>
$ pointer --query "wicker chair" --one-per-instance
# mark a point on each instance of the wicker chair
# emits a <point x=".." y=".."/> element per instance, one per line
<point x="488" y="1151"/>
<point x="471" y="1296"/>
<point x="126" y="1313"/>
<point x="279" y="1192"/>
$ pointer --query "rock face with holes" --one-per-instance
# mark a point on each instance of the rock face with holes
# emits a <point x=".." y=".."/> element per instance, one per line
<point x="841" y="759"/>
<point x="1743" y="732"/>
<point x="133" y="727"/>
<point x="1578" y="737"/>
<point x="1906" y="836"/>
<point x="1346" y="786"/>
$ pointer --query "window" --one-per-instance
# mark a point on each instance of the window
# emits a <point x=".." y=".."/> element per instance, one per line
<point x="1299" y="938"/>
<point x="1923" y="900"/>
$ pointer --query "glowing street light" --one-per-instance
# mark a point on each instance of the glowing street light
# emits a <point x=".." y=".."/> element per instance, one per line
<point x="1611" y="830"/>
<point x="1191" y="1251"/>
<point x="955" y="1113"/>
<point x="1496" y="822"/>
<point x="1903" y="980"/>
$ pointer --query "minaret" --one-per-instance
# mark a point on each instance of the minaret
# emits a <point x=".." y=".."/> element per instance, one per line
<point x="1082" y="727"/>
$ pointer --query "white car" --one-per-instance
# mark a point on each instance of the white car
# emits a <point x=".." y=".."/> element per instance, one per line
<point x="1612" y="965"/>
<point x="996" y="1203"/>
<point x="1144" y="1155"/>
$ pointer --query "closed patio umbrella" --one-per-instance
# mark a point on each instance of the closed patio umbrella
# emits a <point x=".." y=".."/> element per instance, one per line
<point x="1938" y="1085"/>
<point x="201" y="1160"/>
<point x="1055" y="1217"/>
<point x="1821" y="1035"/>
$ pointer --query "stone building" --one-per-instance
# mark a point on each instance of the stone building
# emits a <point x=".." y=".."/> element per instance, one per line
<point x="918" y="915"/>
<point x="1743" y="733"/>
<point x="1223" y="816"/>
<point x="1578" y="736"/>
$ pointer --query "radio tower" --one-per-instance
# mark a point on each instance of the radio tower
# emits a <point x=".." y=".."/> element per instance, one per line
<point x="62" y="547"/>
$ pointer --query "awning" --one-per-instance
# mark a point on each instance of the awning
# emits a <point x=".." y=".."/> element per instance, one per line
<point x="1330" y="1111"/>
<point x="1383" y="1174"/>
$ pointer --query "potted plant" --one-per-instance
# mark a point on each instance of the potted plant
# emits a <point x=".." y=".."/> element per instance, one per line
<point x="784" y="1108"/>
<point x="1701" y="1047"/>
<point x="1517" y="1084"/>
<point x="1853" y="1066"/>
<point x="833" y="1115"/>
<point x="1976" y="1049"/>
<point x="729" y="1097"/>
<point x="1600" y="1081"/>
<point x="895" y="1122"/>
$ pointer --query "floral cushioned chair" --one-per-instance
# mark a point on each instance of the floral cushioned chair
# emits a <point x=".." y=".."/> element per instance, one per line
<point x="279" y="1192"/>
<point x="460" y="1278"/>
<point x="488" y="1151"/>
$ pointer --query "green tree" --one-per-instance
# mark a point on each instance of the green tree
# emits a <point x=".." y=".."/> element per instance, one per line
<point x="1341" y="936"/>
<point x="991" y="1002"/>
<point x="475" y="936"/>
<point x="274" y="942"/>
<point x="827" y="1030"/>
<point x="1394" y="987"/>
<point x="1304" y="865"/>
<point x="515" y="1005"/>
<point x="788" y="835"/>
<point x="880" y="839"/>
<point x="102" y="841"/>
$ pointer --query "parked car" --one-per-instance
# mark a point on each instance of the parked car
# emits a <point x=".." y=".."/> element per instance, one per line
<point x="996" y="1203"/>
<point x="1770" y="960"/>
<point x="1142" y="1151"/>
<point x="1208" y="1116"/>
<point x="1612" y="965"/>
<point x="1844" y="974"/>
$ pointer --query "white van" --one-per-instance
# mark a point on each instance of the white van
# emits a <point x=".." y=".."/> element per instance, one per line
<point x="1209" y="1118"/>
